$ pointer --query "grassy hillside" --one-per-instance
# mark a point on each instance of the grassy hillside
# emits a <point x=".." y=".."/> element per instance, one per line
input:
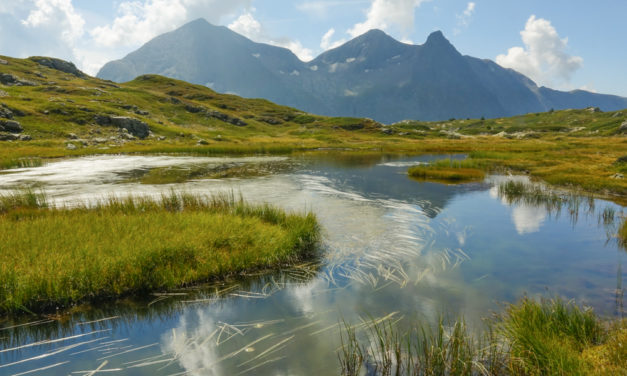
<point x="70" y="114"/>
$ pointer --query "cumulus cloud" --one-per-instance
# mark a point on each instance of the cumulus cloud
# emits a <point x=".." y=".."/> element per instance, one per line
<point x="321" y="8"/>
<point x="137" y="22"/>
<point x="388" y="14"/>
<point x="57" y="13"/>
<point x="248" y="26"/>
<point x="327" y="43"/>
<point x="463" y="19"/>
<point x="543" y="57"/>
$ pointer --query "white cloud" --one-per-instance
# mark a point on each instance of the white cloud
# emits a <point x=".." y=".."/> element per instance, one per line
<point x="321" y="8"/>
<point x="543" y="58"/>
<point x="463" y="19"/>
<point x="139" y="21"/>
<point x="249" y="27"/>
<point x="59" y="14"/>
<point x="327" y="43"/>
<point x="386" y="14"/>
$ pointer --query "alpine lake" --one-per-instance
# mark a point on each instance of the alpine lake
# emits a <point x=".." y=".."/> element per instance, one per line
<point x="393" y="250"/>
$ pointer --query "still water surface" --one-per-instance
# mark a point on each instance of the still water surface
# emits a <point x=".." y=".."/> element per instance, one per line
<point x="393" y="249"/>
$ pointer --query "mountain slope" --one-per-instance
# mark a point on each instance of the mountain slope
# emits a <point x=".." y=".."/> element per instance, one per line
<point x="372" y="76"/>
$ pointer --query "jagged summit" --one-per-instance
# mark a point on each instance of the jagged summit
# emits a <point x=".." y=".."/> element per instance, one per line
<point x="372" y="75"/>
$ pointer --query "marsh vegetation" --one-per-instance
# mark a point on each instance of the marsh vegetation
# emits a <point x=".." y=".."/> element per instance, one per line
<point x="58" y="256"/>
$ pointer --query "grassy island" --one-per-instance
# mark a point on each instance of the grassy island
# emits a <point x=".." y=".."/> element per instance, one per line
<point x="54" y="257"/>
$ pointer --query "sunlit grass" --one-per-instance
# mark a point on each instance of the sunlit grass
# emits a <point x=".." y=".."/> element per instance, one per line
<point x="550" y="337"/>
<point x="53" y="257"/>
<point x="448" y="170"/>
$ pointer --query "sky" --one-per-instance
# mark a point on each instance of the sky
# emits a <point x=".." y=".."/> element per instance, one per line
<point x="563" y="44"/>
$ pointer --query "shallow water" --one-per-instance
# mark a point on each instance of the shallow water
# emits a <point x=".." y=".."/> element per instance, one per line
<point x="393" y="249"/>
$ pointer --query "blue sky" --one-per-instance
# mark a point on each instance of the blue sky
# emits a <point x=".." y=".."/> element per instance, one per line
<point x="558" y="43"/>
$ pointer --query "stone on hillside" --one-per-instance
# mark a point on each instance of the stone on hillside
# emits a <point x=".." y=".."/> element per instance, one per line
<point x="617" y="175"/>
<point x="72" y="136"/>
<point x="12" y="80"/>
<point x="3" y="94"/>
<point x="623" y="127"/>
<point x="25" y="137"/>
<point x="70" y="147"/>
<point x="593" y="109"/>
<point x="202" y="142"/>
<point x="8" y="137"/>
<point x="134" y="126"/>
<point x="60" y="65"/>
<point x="5" y="112"/>
<point x="4" y="62"/>
<point x="11" y="126"/>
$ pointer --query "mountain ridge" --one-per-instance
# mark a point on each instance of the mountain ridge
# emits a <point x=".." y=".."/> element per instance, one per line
<point x="372" y="75"/>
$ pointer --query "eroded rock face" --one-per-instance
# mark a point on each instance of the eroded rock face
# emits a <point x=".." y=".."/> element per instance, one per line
<point x="58" y="64"/>
<point x="216" y="115"/>
<point x="134" y="126"/>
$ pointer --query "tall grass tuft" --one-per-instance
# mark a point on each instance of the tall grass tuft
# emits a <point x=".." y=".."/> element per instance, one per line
<point x="55" y="257"/>
<point x="550" y="337"/>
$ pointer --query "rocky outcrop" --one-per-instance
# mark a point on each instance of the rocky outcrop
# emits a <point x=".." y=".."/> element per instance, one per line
<point x="3" y="94"/>
<point x="623" y="127"/>
<point x="58" y="64"/>
<point x="12" y="80"/>
<point x="10" y="126"/>
<point x="216" y="115"/>
<point x="134" y="126"/>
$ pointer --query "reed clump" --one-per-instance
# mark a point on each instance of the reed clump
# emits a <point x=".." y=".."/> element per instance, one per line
<point x="55" y="257"/>
<point x="550" y="337"/>
<point x="449" y="170"/>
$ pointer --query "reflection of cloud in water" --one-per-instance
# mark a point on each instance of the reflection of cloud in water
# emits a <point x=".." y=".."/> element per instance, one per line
<point x="303" y="295"/>
<point x="528" y="219"/>
<point x="196" y="353"/>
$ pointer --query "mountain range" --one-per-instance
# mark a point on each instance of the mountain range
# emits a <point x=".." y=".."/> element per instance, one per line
<point x="372" y="76"/>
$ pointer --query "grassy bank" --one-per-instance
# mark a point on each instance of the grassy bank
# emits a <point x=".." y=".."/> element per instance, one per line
<point x="448" y="171"/>
<point x="551" y="337"/>
<point x="53" y="257"/>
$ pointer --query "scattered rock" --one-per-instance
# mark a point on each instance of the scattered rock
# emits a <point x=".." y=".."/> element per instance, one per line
<point x="388" y="131"/>
<point x="3" y="94"/>
<point x="593" y="109"/>
<point x="8" y="137"/>
<point x="271" y="121"/>
<point x="617" y="175"/>
<point x="216" y="115"/>
<point x="617" y="114"/>
<point x="623" y="127"/>
<point x="128" y="136"/>
<point x="4" y="62"/>
<point x="58" y="64"/>
<point x="70" y="147"/>
<point x="161" y="138"/>
<point x="11" y="80"/>
<point x="25" y="137"/>
<point x="136" y="127"/>
<point x="622" y="159"/>
<point x="5" y="112"/>
<point x="202" y="142"/>
<point x="11" y="126"/>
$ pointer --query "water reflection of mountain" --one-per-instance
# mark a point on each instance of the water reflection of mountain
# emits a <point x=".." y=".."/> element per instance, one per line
<point x="384" y="178"/>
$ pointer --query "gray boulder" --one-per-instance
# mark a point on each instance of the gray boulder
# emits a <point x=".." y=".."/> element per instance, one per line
<point x="3" y="94"/>
<point x="25" y="137"/>
<point x="5" y="112"/>
<point x="8" y="137"/>
<point x="11" y="126"/>
<point x="58" y="64"/>
<point x="134" y="126"/>
<point x="623" y="127"/>
<point x="4" y="62"/>
<point x="12" y="80"/>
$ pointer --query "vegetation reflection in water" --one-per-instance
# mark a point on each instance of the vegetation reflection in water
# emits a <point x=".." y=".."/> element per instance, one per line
<point x="397" y="252"/>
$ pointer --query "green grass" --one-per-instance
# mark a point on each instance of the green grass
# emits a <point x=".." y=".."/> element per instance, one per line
<point x="550" y="337"/>
<point x="58" y="257"/>
<point x="448" y="170"/>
